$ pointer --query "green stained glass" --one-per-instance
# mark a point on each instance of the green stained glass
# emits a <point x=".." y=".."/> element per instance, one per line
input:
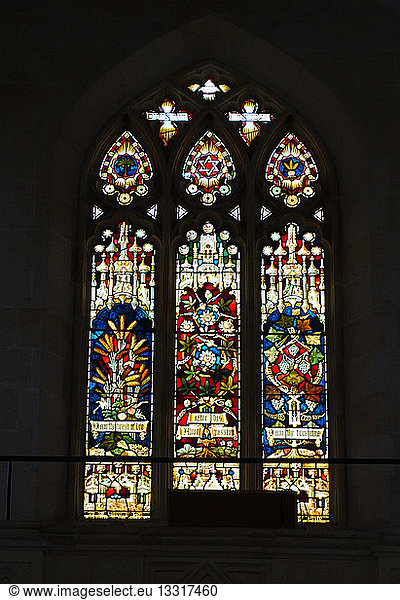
<point x="294" y="382"/>
<point x="120" y="396"/>
<point x="207" y="392"/>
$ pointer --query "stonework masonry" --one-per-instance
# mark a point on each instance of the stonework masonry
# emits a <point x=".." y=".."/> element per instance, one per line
<point x="67" y="70"/>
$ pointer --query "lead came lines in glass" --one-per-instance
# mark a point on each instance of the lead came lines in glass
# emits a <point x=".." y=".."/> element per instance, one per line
<point x="207" y="417"/>
<point x="294" y="371"/>
<point x="120" y="395"/>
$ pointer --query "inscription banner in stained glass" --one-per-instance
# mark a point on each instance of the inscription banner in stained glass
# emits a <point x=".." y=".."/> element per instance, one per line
<point x="294" y="370"/>
<point x="207" y="417"/>
<point x="120" y="368"/>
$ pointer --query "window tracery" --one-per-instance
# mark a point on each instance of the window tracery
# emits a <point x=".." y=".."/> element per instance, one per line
<point x="209" y="210"/>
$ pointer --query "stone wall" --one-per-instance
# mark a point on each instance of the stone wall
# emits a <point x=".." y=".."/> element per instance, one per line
<point x="68" y="68"/>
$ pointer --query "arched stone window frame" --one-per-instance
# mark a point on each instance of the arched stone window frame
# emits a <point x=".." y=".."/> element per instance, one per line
<point x="288" y="79"/>
<point x="167" y="189"/>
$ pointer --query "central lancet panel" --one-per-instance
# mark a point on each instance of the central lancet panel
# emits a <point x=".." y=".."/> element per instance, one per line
<point x="207" y="381"/>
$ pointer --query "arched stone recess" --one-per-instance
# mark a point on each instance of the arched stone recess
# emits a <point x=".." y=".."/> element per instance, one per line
<point x="210" y="39"/>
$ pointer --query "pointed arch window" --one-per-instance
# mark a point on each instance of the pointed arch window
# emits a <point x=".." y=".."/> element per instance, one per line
<point x="176" y="300"/>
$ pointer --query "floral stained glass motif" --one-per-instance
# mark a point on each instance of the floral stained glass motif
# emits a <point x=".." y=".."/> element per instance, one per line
<point x="292" y="171"/>
<point x="207" y="361"/>
<point x="125" y="168"/>
<point x="209" y="89"/>
<point x="294" y="371"/>
<point x="209" y="167"/>
<point x="168" y="117"/>
<point x="249" y="119"/>
<point x="120" y="371"/>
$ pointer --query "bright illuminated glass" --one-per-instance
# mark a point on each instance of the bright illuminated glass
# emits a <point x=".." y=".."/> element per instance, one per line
<point x="294" y="384"/>
<point x="209" y="167"/>
<point x="125" y="168"/>
<point x="207" y="388"/>
<point x="265" y="213"/>
<point x="235" y="213"/>
<point x="292" y="171"/>
<point x="168" y="119"/>
<point x="319" y="215"/>
<point x="249" y="120"/>
<point x="97" y="212"/>
<point x="120" y="396"/>
<point x="152" y="211"/>
<point x="181" y="212"/>
<point x="209" y="89"/>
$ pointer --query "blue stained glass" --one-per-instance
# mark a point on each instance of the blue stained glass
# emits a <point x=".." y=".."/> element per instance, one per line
<point x="120" y="374"/>
<point x="294" y="407"/>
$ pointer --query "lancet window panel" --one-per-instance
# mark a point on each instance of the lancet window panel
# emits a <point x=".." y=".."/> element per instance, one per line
<point x="294" y="376"/>
<point x="120" y="375"/>
<point x="207" y="378"/>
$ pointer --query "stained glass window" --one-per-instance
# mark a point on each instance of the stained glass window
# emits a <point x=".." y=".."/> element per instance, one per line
<point x="120" y="400"/>
<point x="180" y="212"/>
<point x="292" y="171"/>
<point x="227" y="186"/>
<point x="235" y="212"/>
<point x="209" y="89"/>
<point x="168" y="119"/>
<point x="265" y="213"/>
<point x="249" y="120"/>
<point x="209" y="167"/>
<point x="125" y="168"/>
<point x="294" y="370"/>
<point x="207" y="415"/>
<point x="319" y="215"/>
<point x="97" y="212"/>
<point x="152" y="211"/>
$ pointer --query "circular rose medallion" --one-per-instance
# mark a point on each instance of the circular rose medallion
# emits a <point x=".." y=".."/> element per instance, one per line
<point x="126" y="166"/>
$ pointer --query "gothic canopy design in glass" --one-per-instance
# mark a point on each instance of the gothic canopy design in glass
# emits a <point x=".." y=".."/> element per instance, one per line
<point x="205" y="236"/>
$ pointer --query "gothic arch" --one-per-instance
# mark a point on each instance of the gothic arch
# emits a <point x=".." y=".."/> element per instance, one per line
<point x="181" y="49"/>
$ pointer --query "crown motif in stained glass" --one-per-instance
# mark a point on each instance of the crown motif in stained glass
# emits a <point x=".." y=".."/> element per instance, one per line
<point x="209" y="167"/>
<point x="292" y="171"/>
<point x="125" y="168"/>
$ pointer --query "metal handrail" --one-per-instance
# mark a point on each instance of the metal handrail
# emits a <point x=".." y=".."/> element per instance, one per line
<point x="11" y="459"/>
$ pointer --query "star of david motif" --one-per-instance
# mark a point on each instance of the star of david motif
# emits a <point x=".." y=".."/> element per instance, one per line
<point x="208" y="165"/>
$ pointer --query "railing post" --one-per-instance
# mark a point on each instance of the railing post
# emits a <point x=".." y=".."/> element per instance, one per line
<point x="9" y="489"/>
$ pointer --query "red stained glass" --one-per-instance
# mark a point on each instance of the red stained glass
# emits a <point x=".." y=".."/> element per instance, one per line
<point x="207" y="360"/>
